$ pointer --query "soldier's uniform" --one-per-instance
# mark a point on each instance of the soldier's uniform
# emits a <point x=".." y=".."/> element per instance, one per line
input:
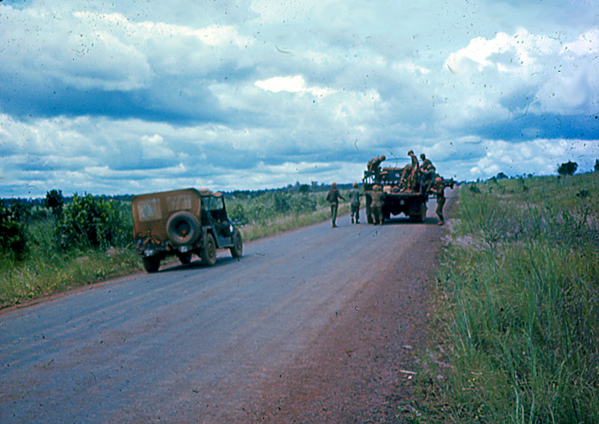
<point x="376" y="206"/>
<point x="374" y="167"/>
<point x="415" y="170"/>
<point x="333" y="197"/>
<point x="439" y="189"/>
<point x="403" y="181"/>
<point x="428" y="170"/>
<point x="354" y="197"/>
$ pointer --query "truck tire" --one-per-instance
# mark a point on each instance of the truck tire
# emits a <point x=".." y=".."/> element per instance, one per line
<point x="237" y="248"/>
<point x="208" y="252"/>
<point x="182" y="228"/>
<point x="421" y="217"/>
<point x="151" y="264"/>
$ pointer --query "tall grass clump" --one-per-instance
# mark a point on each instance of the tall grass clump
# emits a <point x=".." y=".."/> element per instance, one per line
<point x="85" y="242"/>
<point x="518" y="304"/>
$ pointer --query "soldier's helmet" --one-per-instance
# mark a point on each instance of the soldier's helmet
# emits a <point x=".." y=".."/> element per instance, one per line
<point x="383" y="157"/>
<point x="333" y="185"/>
<point x="422" y="156"/>
<point x="355" y="185"/>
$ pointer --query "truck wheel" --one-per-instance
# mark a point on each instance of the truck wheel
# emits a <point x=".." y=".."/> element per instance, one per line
<point x="151" y="264"/>
<point x="208" y="252"/>
<point x="237" y="248"/>
<point x="182" y="228"/>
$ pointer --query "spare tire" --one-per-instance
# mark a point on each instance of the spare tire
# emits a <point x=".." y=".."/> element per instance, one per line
<point x="182" y="228"/>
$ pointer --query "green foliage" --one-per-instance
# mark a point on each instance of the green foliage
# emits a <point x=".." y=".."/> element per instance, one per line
<point x="13" y="235"/>
<point x="519" y="289"/>
<point x="92" y="222"/>
<point x="272" y="206"/>
<point x="567" y="168"/>
<point x="55" y="202"/>
<point x="237" y="214"/>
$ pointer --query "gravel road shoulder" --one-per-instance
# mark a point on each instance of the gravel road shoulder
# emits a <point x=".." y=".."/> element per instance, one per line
<point x="355" y="371"/>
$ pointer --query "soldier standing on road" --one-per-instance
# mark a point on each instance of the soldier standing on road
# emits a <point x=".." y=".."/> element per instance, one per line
<point x="354" y="197"/>
<point x="333" y="197"/>
<point x="374" y="167"/>
<point x="439" y="189"/>
<point x="376" y="206"/>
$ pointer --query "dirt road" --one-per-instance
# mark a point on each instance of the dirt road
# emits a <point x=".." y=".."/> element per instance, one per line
<point x="313" y="325"/>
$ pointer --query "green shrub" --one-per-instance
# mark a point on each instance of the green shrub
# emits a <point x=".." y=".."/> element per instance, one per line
<point x="13" y="230"/>
<point x="93" y="222"/>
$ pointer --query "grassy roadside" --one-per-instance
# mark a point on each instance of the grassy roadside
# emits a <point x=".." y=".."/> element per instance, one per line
<point x="46" y="270"/>
<point x="515" y="314"/>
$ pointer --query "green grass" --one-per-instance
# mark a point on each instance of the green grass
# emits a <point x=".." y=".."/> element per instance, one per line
<point x="46" y="269"/>
<point x="516" y="308"/>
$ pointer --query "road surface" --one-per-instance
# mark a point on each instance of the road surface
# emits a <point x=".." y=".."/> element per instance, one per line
<point x="314" y="325"/>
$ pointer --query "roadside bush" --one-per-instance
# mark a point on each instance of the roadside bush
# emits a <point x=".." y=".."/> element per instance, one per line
<point x="237" y="214"/>
<point x="13" y="230"/>
<point x="93" y="222"/>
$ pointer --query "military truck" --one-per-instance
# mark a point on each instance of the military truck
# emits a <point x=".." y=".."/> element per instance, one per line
<point x="411" y="203"/>
<point x="182" y="223"/>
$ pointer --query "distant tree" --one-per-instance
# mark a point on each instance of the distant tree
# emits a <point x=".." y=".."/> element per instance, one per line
<point x="502" y="176"/>
<point x="597" y="165"/>
<point x="54" y="201"/>
<point x="304" y="189"/>
<point x="567" y="168"/>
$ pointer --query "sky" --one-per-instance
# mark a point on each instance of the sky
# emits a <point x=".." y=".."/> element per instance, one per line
<point x="137" y="96"/>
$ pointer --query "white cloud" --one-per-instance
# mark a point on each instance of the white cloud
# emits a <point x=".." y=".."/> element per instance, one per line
<point x="295" y="84"/>
<point x="509" y="54"/>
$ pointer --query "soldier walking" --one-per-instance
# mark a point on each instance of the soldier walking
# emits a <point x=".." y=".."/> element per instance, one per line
<point x="439" y="189"/>
<point x="354" y="198"/>
<point x="333" y="197"/>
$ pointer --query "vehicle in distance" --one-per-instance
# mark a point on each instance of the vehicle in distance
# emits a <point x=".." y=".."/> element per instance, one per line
<point x="182" y="223"/>
<point x="412" y="203"/>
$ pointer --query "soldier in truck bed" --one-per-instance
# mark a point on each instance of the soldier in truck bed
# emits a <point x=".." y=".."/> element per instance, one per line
<point x="408" y="176"/>
<point x="374" y="167"/>
<point x="428" y="170"/>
